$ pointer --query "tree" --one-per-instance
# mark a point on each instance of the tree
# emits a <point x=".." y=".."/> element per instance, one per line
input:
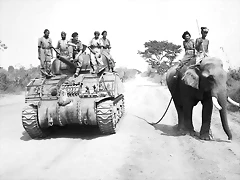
<point x="160" y="54"/>
<point x="10" y="69"/>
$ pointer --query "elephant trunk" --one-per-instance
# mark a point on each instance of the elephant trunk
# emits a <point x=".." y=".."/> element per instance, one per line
<point x="222" y="100"/>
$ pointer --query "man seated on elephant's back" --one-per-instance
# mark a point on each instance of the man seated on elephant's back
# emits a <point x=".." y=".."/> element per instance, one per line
<point x="201" y="45"/>
<point x="190" y="53"/>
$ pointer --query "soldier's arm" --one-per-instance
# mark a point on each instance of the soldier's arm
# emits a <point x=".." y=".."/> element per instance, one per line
<point x="80" y="46"/>
<point x="101" y="45"/>
<point x="193" y="44"/>
<point x="51" y="48"/>
<point x="197" y="45"/>
<point x="184" y="45"/>
<point x="207" y="51"/>
<point x="109" y="46"/>
<point x="91" y="44"/>
<point x="58" y="45"/>
<point x="70" y="51"/>
<point x="39" y="47"/>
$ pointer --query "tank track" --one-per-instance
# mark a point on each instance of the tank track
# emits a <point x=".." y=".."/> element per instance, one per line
<point x="108" y="115"/>
<point x="30" y="123"/>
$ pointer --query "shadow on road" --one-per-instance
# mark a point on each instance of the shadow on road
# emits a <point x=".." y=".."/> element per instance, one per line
<point x="167" y="130"/>
<point x="70" y="131"/>
<point x="171" y="130"/>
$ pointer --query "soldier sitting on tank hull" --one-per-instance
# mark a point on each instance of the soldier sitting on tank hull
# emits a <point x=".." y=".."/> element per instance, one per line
<point x="95" y="50"/>
<point x="105" y="49"/>
<point x="76" y="48"/>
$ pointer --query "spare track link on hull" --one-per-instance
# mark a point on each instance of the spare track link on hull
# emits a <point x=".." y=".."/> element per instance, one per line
<point x="108" y="116"/>
<point x="30" y="123"/>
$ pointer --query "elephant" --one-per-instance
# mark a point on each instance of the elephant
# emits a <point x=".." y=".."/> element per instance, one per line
<point x="205" y="82"/>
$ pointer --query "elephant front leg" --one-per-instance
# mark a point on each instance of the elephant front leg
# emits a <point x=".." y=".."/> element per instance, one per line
<point x="188" y="109"/>
<point x="180" y="125"/>
<point x="206" y="119"/>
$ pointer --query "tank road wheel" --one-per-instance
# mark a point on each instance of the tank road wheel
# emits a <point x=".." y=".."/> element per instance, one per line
<point x="122" y="106"/>
<point x="107" y="117"/>
<point x="30" y="123"/>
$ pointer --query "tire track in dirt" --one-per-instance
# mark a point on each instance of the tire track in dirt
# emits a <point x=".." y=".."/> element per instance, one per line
<point x="156" y="156"/>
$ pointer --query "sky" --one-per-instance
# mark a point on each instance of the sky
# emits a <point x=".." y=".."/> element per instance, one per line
<point x="129" y="23"/>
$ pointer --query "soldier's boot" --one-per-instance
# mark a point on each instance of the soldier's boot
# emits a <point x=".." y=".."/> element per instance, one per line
<point x="112" y="64"/>
<point x="77" y="72"/>
<point x="94" y="69"/>
<point x="79" y="65"/>
<point x="43" y="73"/>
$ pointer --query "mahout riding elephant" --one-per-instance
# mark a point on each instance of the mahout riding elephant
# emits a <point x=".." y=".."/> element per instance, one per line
<point x="205" y="82"/>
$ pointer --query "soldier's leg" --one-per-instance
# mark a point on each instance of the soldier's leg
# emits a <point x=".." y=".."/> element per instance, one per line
<point x="112" y="63"/>
<point x="184" y="61"/>
<point x="48" y="65"/>
<point x="42" y="64"/>
<point x="79" y="65"/>
<point x="94" y="62"/>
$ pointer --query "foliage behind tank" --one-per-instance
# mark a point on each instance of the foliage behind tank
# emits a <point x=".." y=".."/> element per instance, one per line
<point x="89" y="99"/>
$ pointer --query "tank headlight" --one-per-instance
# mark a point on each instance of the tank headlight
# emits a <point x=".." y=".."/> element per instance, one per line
<point x="54" y="92"/>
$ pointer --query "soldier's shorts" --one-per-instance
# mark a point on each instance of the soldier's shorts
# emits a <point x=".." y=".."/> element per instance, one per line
<point x="188" y="60"/>
<point x="45" y="63"/>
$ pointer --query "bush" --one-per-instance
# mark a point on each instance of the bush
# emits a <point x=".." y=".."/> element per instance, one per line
<point x="126" y="74"/>
<point x="233" y="88"/>
<point x="15" y="80"/>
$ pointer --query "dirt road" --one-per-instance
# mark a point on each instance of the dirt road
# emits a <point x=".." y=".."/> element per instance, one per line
<point x="137" y="152"/>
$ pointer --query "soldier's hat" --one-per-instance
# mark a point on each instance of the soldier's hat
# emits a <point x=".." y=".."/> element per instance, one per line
<point x="97" y="32"/>
<point x="45" y="30"/>
<point x="205" y="29"/>
<point x="104" y="32"/>
<point x="185" y="33"/>
<point x="74" y="34"/>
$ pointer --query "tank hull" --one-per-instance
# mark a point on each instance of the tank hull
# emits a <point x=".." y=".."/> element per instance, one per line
<point x="88" y="99"/>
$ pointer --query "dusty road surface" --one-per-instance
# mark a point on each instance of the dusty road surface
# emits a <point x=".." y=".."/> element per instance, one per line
<point x="137" y="152"/>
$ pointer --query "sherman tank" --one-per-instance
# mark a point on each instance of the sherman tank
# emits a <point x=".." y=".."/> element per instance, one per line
<point x="63" y="99"/>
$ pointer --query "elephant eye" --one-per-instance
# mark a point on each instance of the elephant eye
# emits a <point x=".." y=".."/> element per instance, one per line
<point x="211" y="77"/>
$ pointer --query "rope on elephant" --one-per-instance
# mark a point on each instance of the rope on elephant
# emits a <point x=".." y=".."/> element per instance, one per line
<point x="160" y="118"/>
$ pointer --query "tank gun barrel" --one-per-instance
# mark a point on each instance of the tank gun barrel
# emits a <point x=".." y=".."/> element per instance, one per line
<point x="64" y="60"/>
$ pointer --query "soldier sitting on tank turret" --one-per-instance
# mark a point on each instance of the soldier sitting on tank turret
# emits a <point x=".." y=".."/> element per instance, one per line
<point x="76" y="48"/>
<point x="95" y="48"/>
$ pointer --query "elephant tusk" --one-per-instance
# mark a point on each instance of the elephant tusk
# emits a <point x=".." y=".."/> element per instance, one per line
<point x="233" y="102"/>
<point x="216" y="104"/>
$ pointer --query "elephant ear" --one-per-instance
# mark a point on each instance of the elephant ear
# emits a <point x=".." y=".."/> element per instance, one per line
<point x="191" y="78"/>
